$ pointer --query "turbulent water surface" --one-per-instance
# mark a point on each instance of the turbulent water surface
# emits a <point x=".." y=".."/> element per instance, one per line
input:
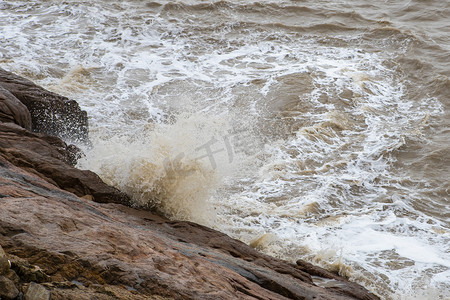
<point x="309" y="129"/>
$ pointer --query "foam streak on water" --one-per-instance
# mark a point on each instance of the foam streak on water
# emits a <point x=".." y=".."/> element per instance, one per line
<point x="327" y="123"/>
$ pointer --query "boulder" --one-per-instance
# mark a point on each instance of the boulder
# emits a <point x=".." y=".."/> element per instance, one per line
<point x="4" y="265"/>
<point x="8" y="290"/>
<point x="51" y="114"/>
<point x="36" y="291"/>
<point x="12" y="110"/>
<point x="4" y="262"/>
<point x="50" y="159"/>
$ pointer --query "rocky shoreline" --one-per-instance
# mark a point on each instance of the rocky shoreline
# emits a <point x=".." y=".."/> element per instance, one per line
<point x="65" y="234"/>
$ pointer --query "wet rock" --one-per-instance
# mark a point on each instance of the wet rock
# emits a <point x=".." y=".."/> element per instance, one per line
<point x="7" y="289"/>
<point x="51" y="114"/>
<point x="12" y="110"/>
<point x="4" y="265"/>
<point x="28" y="272"/>
<point x="4" y="262"/>
<point x="47" y="157"/>
<point x="69" y="290"/>
<point x="36" y="292"/>
<point x="73" y="154"/>
<point x="339" y="284"/>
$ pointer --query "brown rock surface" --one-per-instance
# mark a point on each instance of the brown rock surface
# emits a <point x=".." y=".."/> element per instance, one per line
<point x="36" y="291"/>
<point x="12" y="110"/>
<point x="48" y="158"/>
<point x="7" y="289"/>
<point x="51" y="114"/>
<point x="75" y="248"/>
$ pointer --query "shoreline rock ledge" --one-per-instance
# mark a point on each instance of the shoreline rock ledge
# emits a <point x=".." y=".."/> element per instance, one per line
<point x="65" y="234"/>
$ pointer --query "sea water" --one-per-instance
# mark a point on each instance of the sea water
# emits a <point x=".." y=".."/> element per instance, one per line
<point x="313" y="130"/>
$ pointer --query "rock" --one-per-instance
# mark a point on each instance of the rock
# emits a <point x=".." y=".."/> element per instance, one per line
<point x="338" y="283"/>
<point x="28" y="272"/>
<point x="7" y="289"/>
<point x="47" y="155"/>
<point x="51" y="114"/>
<point x="4" y="265"/>
<point x="12" y="110"/>
<point x="37" y="292"/>
<point x="80" y="249"/>
<point x="48" y="158"/>
<point x="73" y="154"/>
<point x="69" y="290"/>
